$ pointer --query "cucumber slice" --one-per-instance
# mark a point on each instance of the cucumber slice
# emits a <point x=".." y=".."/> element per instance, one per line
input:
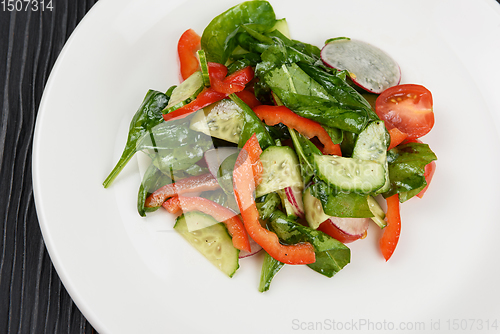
<point x="213" y="242"/>
<point x="378" y="213"/>
<point x="204" y="67"/>
<point x="280" y="170"/>
<point x="186" y="92"/>
<point x="314" y="210"/>
<point x="282" y="26"/>
<point x="223" y="119"/>
<point x="350" y="174"/>
<point x="371" y="144"/>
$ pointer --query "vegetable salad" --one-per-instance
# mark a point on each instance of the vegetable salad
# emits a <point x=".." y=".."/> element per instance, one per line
<point x="277" y="147"/>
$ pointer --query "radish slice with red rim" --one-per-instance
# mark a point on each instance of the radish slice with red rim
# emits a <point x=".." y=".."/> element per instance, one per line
<point x="369" y="67"/>
<point x="345" y="230"/>
<point x="294" y="196"/>
<point x="254" y="249"/>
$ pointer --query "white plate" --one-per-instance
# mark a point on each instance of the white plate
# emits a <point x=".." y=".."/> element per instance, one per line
<point x="130" y="275"/>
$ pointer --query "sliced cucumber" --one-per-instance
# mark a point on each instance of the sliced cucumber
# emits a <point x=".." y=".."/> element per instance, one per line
<point x="314" y="210"/>
<point x="204" y="67"/>
<point x="223" y="119"/>
<point x="280" y="170"/>
<point x="214" y="242"/>
<point x="282" y="26"/>
<point x="185" y="92"/>
<point x="378" y="213"/>
<point x="371" y="144"/>
<point x="349" y="174"/>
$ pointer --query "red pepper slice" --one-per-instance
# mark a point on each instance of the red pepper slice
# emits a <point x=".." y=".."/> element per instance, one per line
<point x="206" y="97"/>
<point x="389" y="239"/>
<point x="430" y="168"/>
<point x="273" y="115"/>
<point x="244" y="186"/>
<point x="232" y="221"/>
<point x="235" y="82"/>
<point x="203" y="182"/>
<point x="188" y="44"/>
<point x="249" y="98"/>
<point x="397" y="137"/>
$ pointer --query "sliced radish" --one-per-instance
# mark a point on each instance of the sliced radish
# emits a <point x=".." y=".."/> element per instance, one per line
<point x="294" y="196"/>
<point x="368" y="66"/>
<point x="216" y="156"/>
<point x="345" y="230"/>
<point x="254" y="249"/>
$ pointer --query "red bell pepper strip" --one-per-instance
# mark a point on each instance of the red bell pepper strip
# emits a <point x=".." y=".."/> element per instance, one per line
<point x="254" y="151"/>
<point x="206" y="97"/>
<point x="203" y="182"/>
<point x="273" y="115"/>
<point x="389" y="239"/>
<point x="430" y="168"/>
<point x="188" y="44"/>
<point x="244" y="186"/>
<point x="235" y="82"/>
<point x="211" y="95"/>
<point x="397" y="137"/>
<point x="232" y="221"/>
<point x="249" y="98"/>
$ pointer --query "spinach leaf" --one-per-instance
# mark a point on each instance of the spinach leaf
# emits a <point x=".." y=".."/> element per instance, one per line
<point x="218" y="38"/>
<point x="305" y="150"/>
<point x="173" y="146"/>
<point x="335" y="134"/>
<point x="340" y="204"/>
<point x="267" y="204"/>
<point x="270" y="267"/>
<point x="338" y="88"/>
<point x="331" y="254"/>
<point x="147" y="116"/>
<point x="152" y="180"/>
<point x="292" y="78"/>
<point x="252" y="124"/>
<point x="407" y="167"/>
<point x="324" y="111"/>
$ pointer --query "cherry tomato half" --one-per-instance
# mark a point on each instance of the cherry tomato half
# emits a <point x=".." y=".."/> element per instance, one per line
<point x="408" y="108"/>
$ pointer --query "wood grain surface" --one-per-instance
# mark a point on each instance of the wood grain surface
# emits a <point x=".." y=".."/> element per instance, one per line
<point x="32" y="297"/>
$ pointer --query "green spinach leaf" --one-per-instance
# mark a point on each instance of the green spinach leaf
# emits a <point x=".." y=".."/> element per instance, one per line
<point x="407" y="167"/>
<point x="331" y="254"/>
<point x="147" y="116"/>
<point x="218" y="39"/>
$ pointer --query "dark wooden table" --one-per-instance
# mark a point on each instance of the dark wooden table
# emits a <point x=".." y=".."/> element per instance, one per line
<point x="32" y="297"/>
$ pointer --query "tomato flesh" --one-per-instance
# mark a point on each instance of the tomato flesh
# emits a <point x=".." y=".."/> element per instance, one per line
<point x="407" y="108"/>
